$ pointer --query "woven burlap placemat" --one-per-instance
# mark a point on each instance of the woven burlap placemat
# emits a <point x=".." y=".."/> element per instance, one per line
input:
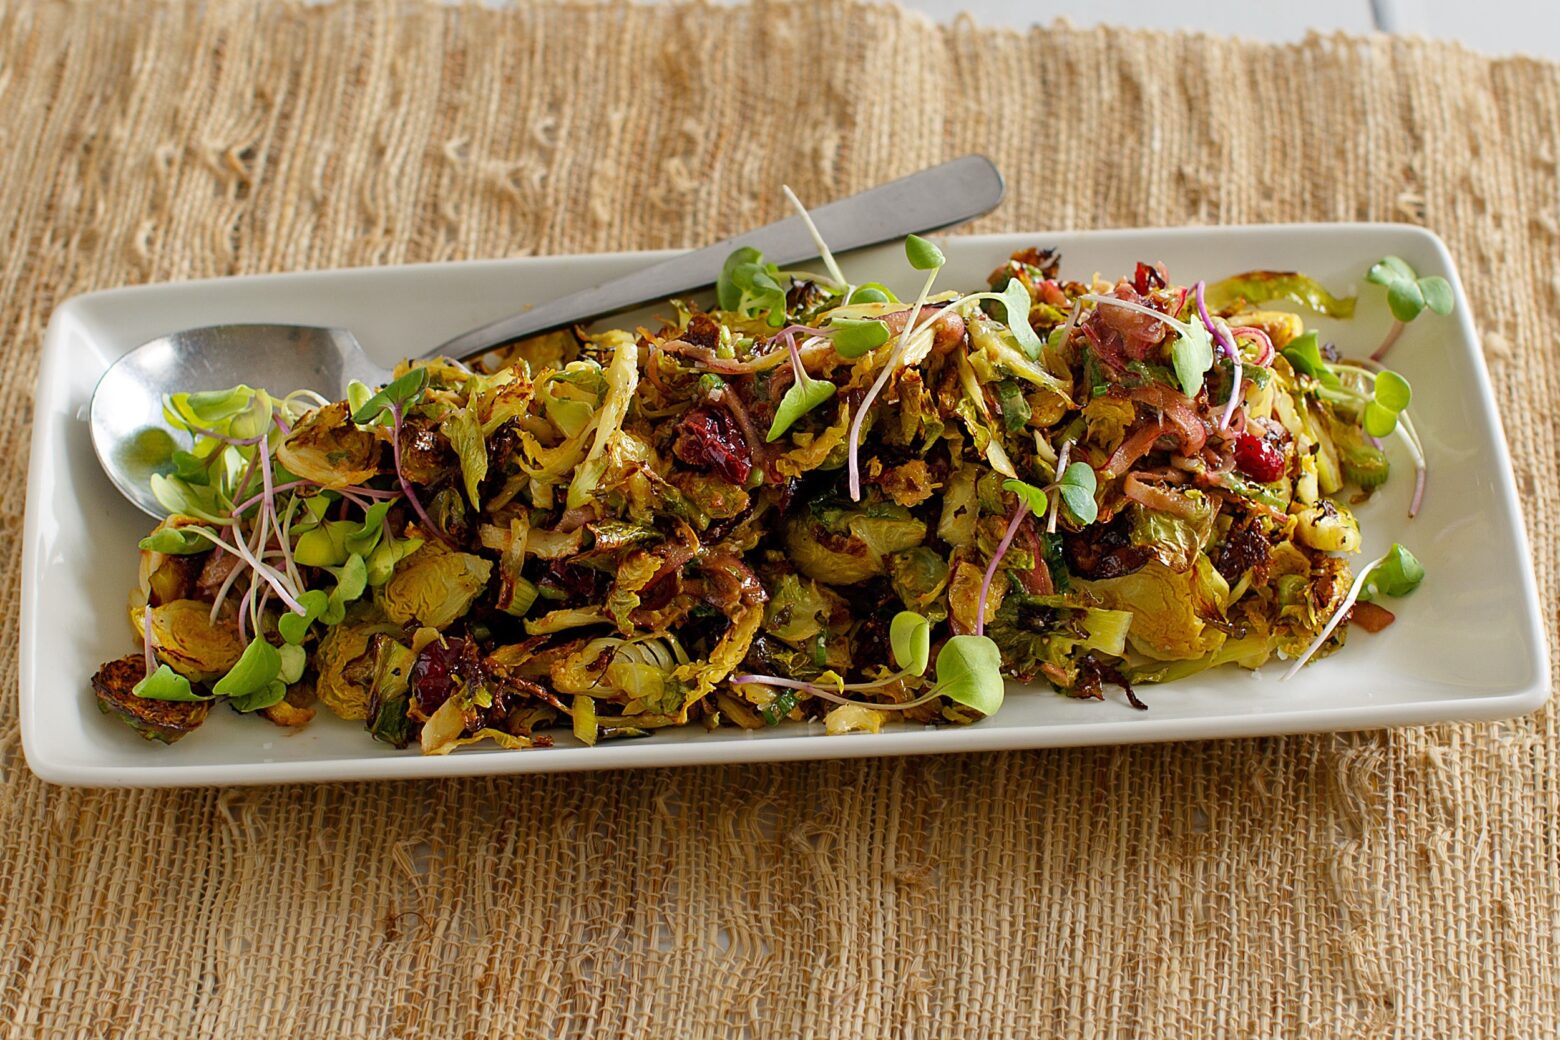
<point x="1377" y="884"/>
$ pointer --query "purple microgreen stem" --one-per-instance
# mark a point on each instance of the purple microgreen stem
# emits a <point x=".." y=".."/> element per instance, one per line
<point x="244" y="609"/>
<point x="996" y="558"/>
<point x="1386" y="344"/>
<point x="285" y="537"/>
<point x="243" y="483"/>
<point x="861" y="414"/>
<point x="253" y="500"/>
<point x="1230" y="350"/>
<point x="259" y="611"/>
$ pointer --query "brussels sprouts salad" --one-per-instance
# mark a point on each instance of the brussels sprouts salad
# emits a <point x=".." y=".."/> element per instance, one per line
<point x="811" y="501"/>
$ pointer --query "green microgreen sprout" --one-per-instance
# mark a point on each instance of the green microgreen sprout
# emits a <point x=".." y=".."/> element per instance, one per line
<point x="1030" y="500"/>
<point x="396" y="398"/>
<point x="910" y="639"/>
<point x="255" y="669"/>
<point x="856" y="337"/>
<point x="398" y="393"/>
<point x="165" y="684"/>
<point x="871" y="292"/>
<point x="969" y="671"/>
<point x="1379" y="396"/>
<point x="1397" y="573"/>
<point x="1407" y="296"/>
<point x="1075" y="489"/>
<point x="750" y="287"/>
<point x="1304" y="354"/>
<point x="1389" y="398"/>
<point x="1016" y="303"/>
<point x="923" y="256"/>
<point x="801" y="397"/>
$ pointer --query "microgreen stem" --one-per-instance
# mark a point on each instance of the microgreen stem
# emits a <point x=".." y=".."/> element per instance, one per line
<point x="1332" y="622"/>
<point x="1230" y="350"/>
<point x="996" y="558"/>
<point x="285" y="536"/>
<point x="261" y="497"/>
<point x="258" y="609"/>
<point x="1115" y="301"/>
<point x="1416" y="447"/>
<point x="243" y="608"/>
<point x="406" y="485"/>
<point x="243" y="482"/>
<point x="241" y="550"/>
<point x="319" y="400"/>
<point x="1072" y="324"/>
<point x="1056" y="500"/>
<point x="817" y="237"/>
<point x="877" y="385"/>
<point x="796" y="359"/>
<point x="829" y="695"/>
<point x="222" y="590"/>
<point x="1386" y="344"/>
<point x="146" y="638"/>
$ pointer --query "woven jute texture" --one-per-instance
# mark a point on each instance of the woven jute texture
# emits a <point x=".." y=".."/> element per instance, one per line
<point x="1380" y="884"/>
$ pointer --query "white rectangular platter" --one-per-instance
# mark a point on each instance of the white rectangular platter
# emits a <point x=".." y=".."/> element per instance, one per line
<point x="1469" y="644"/>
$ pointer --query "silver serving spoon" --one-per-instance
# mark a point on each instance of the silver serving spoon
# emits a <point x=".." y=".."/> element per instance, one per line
<point x="126" y="410"/>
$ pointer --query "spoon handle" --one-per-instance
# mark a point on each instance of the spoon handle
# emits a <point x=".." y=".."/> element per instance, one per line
<point x="937" y="197"/>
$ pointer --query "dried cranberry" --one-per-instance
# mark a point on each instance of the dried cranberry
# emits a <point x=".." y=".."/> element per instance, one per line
<point x="709" y="438"/>
<point x="434" y="673"/>
<point x="1258" y="459"/>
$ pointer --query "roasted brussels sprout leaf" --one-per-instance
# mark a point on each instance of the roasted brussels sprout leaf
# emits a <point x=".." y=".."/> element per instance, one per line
<point x="329" y="450"/>
<point x="164" y="721"/>
<point x="1259" y="287"/>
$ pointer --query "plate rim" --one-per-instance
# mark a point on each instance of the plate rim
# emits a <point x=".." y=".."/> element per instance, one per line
<point x="1518" y="700"/>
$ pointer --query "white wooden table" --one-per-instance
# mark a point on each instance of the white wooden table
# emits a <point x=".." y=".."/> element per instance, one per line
<point x="1493" y="26"/>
